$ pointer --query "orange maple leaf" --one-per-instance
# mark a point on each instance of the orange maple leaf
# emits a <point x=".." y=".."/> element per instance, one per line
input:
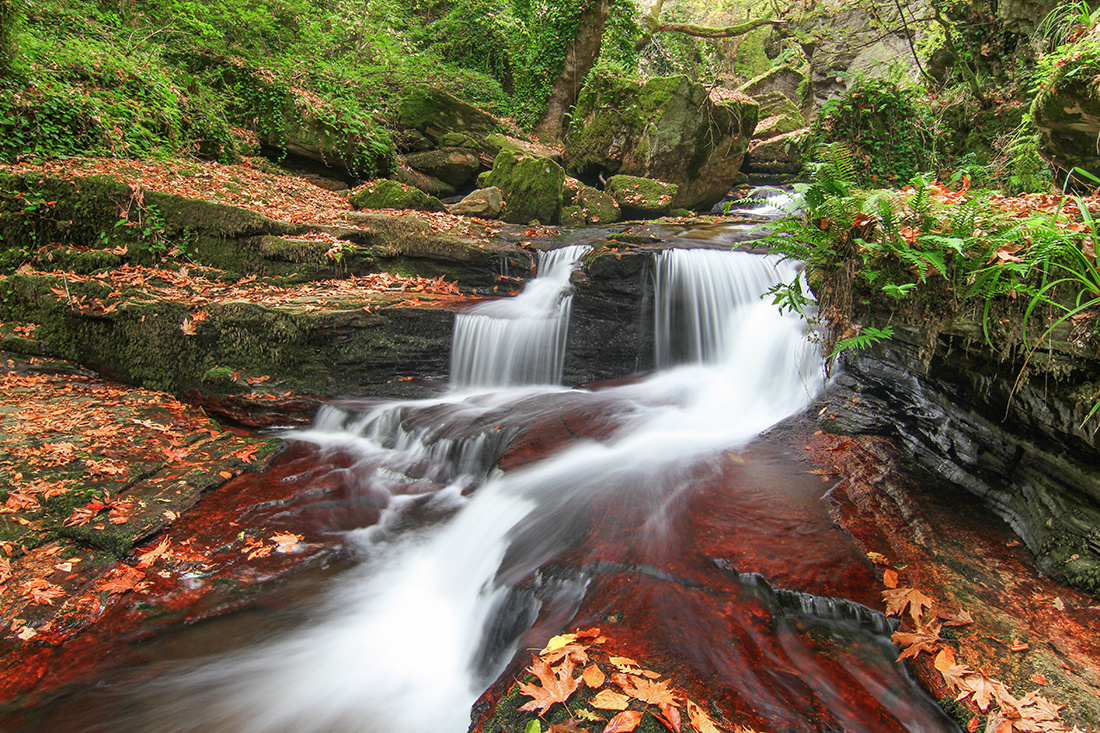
<point x="924" y="639"/>
<point x="700" y="720"/>
<point x="556" y="686"/>
<point x="610" y="700"/>
<point x="898" y="598"/>
<point x="653" y="693"/>
<point x="624" y="722"/>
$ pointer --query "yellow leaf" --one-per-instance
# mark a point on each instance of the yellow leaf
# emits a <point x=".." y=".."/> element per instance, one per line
<point x="609" y="700"/>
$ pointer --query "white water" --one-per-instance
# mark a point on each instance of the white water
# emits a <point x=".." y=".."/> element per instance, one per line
<point x="396" y="648"/>
<point x="521" y="340"/>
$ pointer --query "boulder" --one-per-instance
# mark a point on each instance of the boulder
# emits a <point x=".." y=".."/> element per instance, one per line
<point x="486" y="203"/>
<point x="777" y="125"/>
<point x="598" y="207"/>
<point x="572" y="216"/>
<point x="436" y="113"/>
<point x="428" y="184"/>
<point x="641" y="198"/>
<point x="301" y="133"/>
<point x="532" y="187"/>
<point x="782" y="80"/>
<point x="453" y="166"/>
<point x="387" y="194"/>
<point x="776" y="103"/>
<point x="1067" y="110"/>
<point x="850" y="44"/>
<point x="665" y="128"/>
<point x="779" y="154"/>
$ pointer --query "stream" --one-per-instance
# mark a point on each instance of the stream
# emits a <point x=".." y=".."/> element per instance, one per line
<point x="513" y="509"/>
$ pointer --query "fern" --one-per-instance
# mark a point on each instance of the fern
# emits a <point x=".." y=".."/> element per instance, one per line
<point x="867" y="336"/>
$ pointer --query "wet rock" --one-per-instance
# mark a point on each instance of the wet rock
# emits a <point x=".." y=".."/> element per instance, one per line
<point x="1026" y="455"/>
<point x="485" y="203"/>
<point x="667" y="128"/>
<point x="386" y="194"/>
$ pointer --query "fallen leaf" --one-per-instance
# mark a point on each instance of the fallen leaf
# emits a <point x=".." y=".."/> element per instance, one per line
<point x="890" y="578"/>
<point x="610" y="700"/>
<point x="897" y="599"/>
<point x="924" y="639"/>
<point x="647" y="691"/>
<point x="700" y="720"/>
<point x="624" y="722"/>
<point x="148" y="558"/>
<point x="593" y="676"/>
<point x="556" y="686"/>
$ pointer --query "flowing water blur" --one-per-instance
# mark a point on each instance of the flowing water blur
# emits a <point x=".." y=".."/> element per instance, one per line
<point x="407" y="640"/>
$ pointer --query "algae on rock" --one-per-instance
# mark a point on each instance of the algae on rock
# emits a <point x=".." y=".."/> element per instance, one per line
<point x="667" y="128"/>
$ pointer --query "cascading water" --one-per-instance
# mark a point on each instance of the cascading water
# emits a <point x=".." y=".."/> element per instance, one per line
<point x="521" y="340"/>
<point x="415" y="633"/>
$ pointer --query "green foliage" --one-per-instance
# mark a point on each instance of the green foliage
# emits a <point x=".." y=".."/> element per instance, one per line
<point x="1067" y="23"/>
<point x="890" y="138"/>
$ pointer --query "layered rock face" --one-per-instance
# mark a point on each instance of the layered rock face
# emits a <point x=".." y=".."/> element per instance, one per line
<point x="1026" y="456"/>
<point x="668" y="129"/>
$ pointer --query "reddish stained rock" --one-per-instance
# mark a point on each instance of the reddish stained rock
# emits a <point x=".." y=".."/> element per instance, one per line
<point x="943" y="544"/>
<point x="218" y="556"/>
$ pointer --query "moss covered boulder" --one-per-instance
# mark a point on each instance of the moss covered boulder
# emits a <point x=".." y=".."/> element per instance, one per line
<point x="666" y="128"/>
<point x="641" y="198"/>
<point x="453" y="166"/>
<point x="387" y="194"/>
<point x="532" y="187"/>
<point x="435" y="113"/>
<point x="1067" y="109"/>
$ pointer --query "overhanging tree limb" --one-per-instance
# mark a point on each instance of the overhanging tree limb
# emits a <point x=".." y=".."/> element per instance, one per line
<point x="729" y="31"/>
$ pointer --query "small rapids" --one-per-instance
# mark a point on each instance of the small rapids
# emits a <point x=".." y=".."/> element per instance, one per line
<point x="407" y="640"/>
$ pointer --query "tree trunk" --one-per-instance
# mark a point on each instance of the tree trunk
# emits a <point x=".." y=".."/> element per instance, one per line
<point x="579" y="60"/>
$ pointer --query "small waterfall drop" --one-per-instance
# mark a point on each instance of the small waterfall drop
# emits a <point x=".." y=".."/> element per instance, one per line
<point x="521" y="340"/>
<point x="414" y="634"/>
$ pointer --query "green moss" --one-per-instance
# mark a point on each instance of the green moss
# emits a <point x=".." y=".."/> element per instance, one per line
<point x="436" y="113"/>
<point x="389" y="194"/>
<point x="532" y="187"/>
<point x="643" y="197"/>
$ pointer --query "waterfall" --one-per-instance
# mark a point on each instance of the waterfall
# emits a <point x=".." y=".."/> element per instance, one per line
<point x="403" y="647"/>
<point x="521" y="340"/>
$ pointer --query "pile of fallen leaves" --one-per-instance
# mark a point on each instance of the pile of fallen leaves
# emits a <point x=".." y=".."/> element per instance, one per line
<point x="611" y="693"/>
<point x="189" y="285"/>
<point x="284" y="197"/>
<point x="1031" y="713"/>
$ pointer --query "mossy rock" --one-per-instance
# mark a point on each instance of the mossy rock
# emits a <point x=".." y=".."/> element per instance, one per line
<point x="777" y="103"/>
<point x="436" y="113"/>
<point x="453" y="166"/>
<point x="80" y="261"/>
<point x="643" y="198"/>
<point x="388" y="194"/>
<point x="667" y="128"/>
<point x="598" y="207"/>
<point x="572" y="216"/>
<point x="777" y="125"/>
<point x="422" y="181"/>
<point x="532" y="187"/>
<point x="1067" y="109"/>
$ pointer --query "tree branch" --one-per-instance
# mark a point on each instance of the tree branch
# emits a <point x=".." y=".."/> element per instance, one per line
<point x="729" y="31"/>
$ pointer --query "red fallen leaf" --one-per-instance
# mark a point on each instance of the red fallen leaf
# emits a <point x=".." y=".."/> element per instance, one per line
<point x="42" y="592"/>
<point x="556" y="686"/>
<point x="624" y="722"/>
<point x="1036" y="678"/>
<point x="973" y="724"/>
